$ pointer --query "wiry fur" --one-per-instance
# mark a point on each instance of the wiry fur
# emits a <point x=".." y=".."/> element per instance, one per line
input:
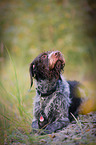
<point x="55" y="97"/>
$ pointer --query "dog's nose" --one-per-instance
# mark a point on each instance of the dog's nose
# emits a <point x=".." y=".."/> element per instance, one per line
<point x="57" y="53"/>
<point x="54" y="57"/>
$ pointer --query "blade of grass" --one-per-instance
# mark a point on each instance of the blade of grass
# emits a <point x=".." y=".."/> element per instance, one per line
<point x="9" y="119"/>
<point x="17" y="86"/>
<point x="22" y="108"/>
<point x="18" y="96"/>
<point x="78" y="121"/>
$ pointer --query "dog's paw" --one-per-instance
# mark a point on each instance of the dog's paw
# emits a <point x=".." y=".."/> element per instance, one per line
<point x="44" y="132"/>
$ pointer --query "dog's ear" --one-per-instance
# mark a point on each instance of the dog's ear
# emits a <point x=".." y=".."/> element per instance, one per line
<point x="31" y="74"/>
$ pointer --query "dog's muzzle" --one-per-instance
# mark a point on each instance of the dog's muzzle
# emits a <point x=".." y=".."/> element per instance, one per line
<point x="54" y="57"/>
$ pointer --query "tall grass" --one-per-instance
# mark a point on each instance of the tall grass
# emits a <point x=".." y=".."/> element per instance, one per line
<point x="17" y="86"/>
<point x="15" y="116"/>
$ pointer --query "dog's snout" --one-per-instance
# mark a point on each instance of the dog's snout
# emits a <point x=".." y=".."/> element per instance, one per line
<point x="57" y="53"/>
<point x="54" y="57"/>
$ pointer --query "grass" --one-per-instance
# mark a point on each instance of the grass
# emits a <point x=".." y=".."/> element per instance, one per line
<point x="13" y="114"/>
<point x="77" y="121"/>
<point x="17" y="87"/>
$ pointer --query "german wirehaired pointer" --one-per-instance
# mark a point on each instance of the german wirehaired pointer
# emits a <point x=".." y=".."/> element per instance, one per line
<point x="55" y="98"/>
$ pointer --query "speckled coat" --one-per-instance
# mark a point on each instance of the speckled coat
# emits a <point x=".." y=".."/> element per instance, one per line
<point x="54" y="106"/>
<point x="55" y="97"/>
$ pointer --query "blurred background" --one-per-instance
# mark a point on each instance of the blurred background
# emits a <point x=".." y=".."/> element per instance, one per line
<point x="29" y="27"/>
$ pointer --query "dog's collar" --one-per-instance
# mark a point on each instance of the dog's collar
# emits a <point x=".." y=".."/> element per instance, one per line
<point x="48" y="92"/>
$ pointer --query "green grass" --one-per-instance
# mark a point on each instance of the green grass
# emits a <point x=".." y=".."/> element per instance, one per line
<point x="77" y="121"/>
<point x="13" y="110"/>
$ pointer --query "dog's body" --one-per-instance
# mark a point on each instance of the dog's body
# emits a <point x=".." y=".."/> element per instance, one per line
<point x="55" y="97"/>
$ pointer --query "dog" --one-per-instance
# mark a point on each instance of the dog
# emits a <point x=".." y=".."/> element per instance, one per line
<point x="56" y="98"/>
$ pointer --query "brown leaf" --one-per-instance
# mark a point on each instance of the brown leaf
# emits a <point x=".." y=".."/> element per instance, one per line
<point x="87" y="130"/>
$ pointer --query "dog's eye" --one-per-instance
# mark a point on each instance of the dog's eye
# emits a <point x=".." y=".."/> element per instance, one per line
<point x="44" y="56"/>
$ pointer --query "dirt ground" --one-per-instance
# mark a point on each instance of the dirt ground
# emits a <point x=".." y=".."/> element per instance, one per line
<point x="80" y="133"/>
<point x="76" y="133"/>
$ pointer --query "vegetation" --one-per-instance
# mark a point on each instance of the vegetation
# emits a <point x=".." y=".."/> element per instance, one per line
<point x="29" y="27"/>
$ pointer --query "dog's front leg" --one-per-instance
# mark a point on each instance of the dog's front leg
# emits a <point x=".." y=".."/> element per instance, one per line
<point x="56" y="125"/>
<point x="35" y="126"/>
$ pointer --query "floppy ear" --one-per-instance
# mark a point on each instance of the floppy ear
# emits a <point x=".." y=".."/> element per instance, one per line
<point x="31" y="74"/>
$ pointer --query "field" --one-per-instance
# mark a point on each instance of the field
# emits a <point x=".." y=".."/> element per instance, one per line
<point x="28" y="28"/>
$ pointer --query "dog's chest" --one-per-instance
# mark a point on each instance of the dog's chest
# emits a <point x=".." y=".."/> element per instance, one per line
<point x="43" y="102"/>
<point x="47" y="104"/>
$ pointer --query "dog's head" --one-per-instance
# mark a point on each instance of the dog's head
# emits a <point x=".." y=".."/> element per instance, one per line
<point x="47" y="65"/>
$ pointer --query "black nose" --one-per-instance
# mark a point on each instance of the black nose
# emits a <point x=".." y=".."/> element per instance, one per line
<point x="57" y="53"/>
